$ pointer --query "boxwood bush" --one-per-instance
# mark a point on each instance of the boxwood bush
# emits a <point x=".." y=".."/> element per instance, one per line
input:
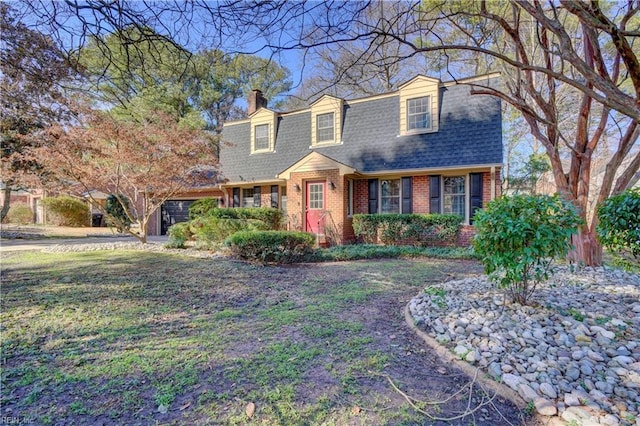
<point x="67" y="211"/>
<point x="179" y="234"/>
<point x="270" y="216"/>
<point x="407" y="229"/>
<point x="271" y="246"/>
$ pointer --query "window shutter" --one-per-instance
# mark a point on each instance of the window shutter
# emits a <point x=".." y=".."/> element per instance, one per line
<point x="407" y="189"/>
<point x="373" y="196"/>
<point x="434" y="194"/>
<point x="236" y="197"/>
<point x="256" y="196"/>
<point x="274" y="196"/>
<point x="475" y="190"/>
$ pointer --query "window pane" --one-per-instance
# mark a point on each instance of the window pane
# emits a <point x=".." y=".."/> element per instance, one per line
<point x="454" y="200"/>
<point x="316" y="194"/>
<point x="418" y="116"/>
<point x="247" y="197"/>
<point x="390" y="196"/>
<point x="324" y="127"/>
<point x="261" y="137"/>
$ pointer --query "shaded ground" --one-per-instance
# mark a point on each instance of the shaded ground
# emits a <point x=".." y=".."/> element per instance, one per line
<point x="147" y="338"/>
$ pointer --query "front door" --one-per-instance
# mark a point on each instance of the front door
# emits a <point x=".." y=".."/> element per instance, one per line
<point x="314" y="207"/>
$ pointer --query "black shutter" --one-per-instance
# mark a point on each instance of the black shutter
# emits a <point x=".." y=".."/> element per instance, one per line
<point x="407" y="189"/>
<point x="434" y="194"/>
<point x="475" y="196"/>
<point x="274" y="196"/>
<point x="236" y="197"/>
<point x="373" y="196"/>
<point x="256" y="196"/>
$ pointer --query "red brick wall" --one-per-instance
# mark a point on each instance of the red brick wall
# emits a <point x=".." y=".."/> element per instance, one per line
<point x="361" y="196"/>
<point x="420" y="194"/>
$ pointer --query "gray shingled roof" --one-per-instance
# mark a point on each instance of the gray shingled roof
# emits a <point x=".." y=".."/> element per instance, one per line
<point x="470" y="133"/>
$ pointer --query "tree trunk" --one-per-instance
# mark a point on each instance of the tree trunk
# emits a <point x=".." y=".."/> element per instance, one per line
<point x="6" y="203"/>
<point x="587" y="250"/>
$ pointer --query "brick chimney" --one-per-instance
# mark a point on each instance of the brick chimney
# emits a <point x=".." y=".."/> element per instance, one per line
<point x="256" y="101"/>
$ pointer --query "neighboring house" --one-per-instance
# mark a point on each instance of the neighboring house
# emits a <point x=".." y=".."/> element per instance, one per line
<point x="429" y="147"/>
<point x="32" y="199"/>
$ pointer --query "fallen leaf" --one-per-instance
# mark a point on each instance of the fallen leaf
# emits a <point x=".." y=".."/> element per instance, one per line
<point x="185" y="406"/>
<point x="356" y="410"/>
<point x="250" y="409"/>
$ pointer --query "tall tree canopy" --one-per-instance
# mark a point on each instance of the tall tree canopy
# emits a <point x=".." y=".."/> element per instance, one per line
<point x="32" y="96"/>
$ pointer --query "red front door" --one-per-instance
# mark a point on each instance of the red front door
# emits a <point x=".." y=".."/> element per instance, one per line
<point x="314" y="206"/>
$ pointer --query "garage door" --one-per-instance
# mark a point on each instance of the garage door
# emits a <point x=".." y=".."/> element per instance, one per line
<point x="173" y="211"/>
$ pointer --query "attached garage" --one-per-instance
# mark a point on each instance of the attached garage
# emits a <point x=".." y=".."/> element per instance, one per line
<point x="173" y="211"/>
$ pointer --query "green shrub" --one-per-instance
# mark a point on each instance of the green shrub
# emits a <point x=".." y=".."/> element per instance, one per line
<point x="211" y="231"/>
<point x="270" y="216"/>
<point x="370" y="251"/>
<point x="67" y="211"/>
<point x="518" y="237"/>
<point x="202" y="207"/>
<point x="407" y="229"/>
<point x="117" y="207"/>
<point x="178" y="234"/>
<point x="271" y="246"/>
<point x="20" y="214"/>
<point x="619" y="222"/>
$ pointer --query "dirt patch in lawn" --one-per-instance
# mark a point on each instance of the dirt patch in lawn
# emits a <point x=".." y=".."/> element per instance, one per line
<point x="140" y="338"/>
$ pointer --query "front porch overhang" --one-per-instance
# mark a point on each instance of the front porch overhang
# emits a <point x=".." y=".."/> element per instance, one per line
<point x="316" y="162"/>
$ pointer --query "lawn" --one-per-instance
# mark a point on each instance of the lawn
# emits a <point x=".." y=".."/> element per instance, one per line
<point x="146" y="338"/>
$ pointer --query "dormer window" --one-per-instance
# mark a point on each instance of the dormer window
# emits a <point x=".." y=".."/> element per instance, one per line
<point x="419" y="99"/>
<point x="418" y="113"/>
<point x="325" y="126"/>
<point x="261" y="140"/>
<point x="326" y="121"/>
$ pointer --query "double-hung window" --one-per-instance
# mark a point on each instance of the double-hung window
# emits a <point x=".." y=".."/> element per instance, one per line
<point x="454" y="196"/>
<point x="390" y="196"/>
<point x="325" y="127"/>
<point x="247" y="197"/>
<point x="418" y="113"/>
<point x="261" y="138"/>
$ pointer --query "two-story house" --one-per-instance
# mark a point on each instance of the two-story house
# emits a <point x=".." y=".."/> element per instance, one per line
<point x="428" y="147"/>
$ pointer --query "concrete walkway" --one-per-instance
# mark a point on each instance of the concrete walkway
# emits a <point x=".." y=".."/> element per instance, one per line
<point x="7" y="245"/>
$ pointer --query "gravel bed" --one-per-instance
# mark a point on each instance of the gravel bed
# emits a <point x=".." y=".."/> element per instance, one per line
<point x="130" y="245"/>
<point x="575" y="354"/>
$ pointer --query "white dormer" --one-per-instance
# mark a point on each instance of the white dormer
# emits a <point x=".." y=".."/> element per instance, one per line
<point x="419" y="105"/>
<point x="264" y="124"/>
<point x="326" y="121"/>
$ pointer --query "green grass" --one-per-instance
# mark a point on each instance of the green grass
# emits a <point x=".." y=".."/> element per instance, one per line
<point x="119" y="335"/>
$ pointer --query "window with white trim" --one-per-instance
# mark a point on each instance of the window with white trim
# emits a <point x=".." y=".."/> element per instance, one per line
<point x="247" y="197"/>
<point x="418" y="113"/>
<point x="390" y="195"/>
<point x="325" y="127"/>
<point x="454" y="196"/>
<point x="261" y="138"/>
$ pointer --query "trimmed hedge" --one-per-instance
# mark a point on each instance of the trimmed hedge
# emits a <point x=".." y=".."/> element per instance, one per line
<point x="420" y="230"/>
<point x="271" y="246"/>
<point x="67" y="211"/>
